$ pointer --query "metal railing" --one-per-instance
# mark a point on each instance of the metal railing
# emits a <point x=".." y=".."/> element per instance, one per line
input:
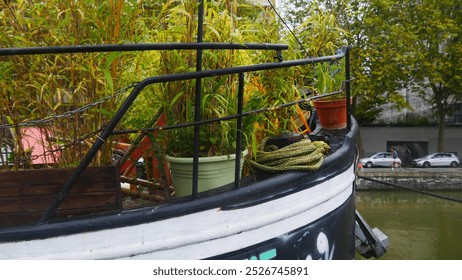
<point x="239" y="70"/>
<point x="197" y="76"/>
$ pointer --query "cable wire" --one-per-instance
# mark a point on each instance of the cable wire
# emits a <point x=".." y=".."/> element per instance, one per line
<point x="412" y="190"/>
<point x="288" y="28"/>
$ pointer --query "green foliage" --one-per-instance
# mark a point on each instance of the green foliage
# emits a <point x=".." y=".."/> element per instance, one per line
<point x="219" y="94"/>
<point x="329" y="77"/>
<point x="414" y="120"/>
<point x="405" y="44"/>
<point x="35" y="87"/>
<point x="317" y="33"/>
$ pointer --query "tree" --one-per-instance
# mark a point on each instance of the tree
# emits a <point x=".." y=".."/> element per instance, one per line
<point x="438" y="55"/>
<point x="369" y="35"/>
<point x="422" y="41"/>
<point x="404" y="44"/>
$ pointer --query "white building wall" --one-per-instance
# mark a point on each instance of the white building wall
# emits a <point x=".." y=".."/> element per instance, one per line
<point x="419" y="107"/>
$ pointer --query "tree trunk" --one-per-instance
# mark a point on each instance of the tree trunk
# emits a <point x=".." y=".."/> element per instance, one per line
<point x="441" y="130"/>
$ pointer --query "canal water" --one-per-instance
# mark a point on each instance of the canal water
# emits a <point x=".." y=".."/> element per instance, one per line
<point x="419" y="227"/>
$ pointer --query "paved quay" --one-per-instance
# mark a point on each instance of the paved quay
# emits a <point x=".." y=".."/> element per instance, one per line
<point x="416" y="178"/>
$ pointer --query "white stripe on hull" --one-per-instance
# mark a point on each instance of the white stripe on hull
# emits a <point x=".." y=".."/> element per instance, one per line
<point x="194" y="236"/>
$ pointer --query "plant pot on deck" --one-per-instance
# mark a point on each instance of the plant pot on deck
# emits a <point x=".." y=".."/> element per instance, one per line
<point x="332" y="114"/>
<point x="214" y="172"/>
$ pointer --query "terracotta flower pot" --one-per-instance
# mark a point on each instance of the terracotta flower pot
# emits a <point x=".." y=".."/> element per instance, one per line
<point x="331" y="113"/>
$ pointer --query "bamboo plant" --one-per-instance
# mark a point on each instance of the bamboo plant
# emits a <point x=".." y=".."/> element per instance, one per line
<point x="38" y="87"/>
<point x="219" y="94"/>
<point x="49" y="87"/>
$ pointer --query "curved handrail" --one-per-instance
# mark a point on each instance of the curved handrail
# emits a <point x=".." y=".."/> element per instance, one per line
<point x="139" y="47"/>
<point x="181" y="77"/>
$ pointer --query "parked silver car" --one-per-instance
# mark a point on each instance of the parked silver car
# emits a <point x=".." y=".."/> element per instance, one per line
<point x="383" y="159"/>
<point x="437" y="159"/>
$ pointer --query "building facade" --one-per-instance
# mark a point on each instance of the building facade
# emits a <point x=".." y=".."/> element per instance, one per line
<point x="411" y="142"/>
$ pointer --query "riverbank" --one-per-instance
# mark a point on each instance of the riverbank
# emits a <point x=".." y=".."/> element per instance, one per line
<point x="439" y="179"/>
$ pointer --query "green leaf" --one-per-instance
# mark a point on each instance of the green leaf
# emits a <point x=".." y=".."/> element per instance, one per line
<point x="109" y="81"/>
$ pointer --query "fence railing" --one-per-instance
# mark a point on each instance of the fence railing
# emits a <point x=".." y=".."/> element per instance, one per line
<point x="197" y="75"/>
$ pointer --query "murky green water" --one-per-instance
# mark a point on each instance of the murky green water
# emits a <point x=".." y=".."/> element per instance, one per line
<point x="419" y="227"/>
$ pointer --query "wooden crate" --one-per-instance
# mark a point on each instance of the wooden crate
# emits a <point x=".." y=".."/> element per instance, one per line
<point x="26" y="195"/>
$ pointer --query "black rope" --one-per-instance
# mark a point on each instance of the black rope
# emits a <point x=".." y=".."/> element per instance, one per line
<point x="288" y="28"/>
<point x="413" y="190"/>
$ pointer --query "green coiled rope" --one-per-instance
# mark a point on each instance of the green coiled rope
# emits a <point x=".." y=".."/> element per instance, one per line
<point x="304" y="155"/>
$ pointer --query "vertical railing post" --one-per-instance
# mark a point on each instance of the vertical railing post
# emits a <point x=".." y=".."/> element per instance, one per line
<point x="197" y="101"/>
<point x="348" y="86"/>
<point x="240" y="101"/>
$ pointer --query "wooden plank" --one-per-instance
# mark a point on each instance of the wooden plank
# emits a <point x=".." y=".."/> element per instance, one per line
<point x="14" y="219"/>
<point x="38" y="177"/>
<point x="53" y="189"/>
<point x="72" y="201"/>
<point x="26" y="195"/>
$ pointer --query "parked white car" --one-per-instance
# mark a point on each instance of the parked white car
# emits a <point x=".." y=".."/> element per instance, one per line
<point x="383" y="159"/>
<point x="437" y="159"/>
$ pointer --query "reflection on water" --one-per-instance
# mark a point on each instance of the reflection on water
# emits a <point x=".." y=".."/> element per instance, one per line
<point x="419" y="227"/>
